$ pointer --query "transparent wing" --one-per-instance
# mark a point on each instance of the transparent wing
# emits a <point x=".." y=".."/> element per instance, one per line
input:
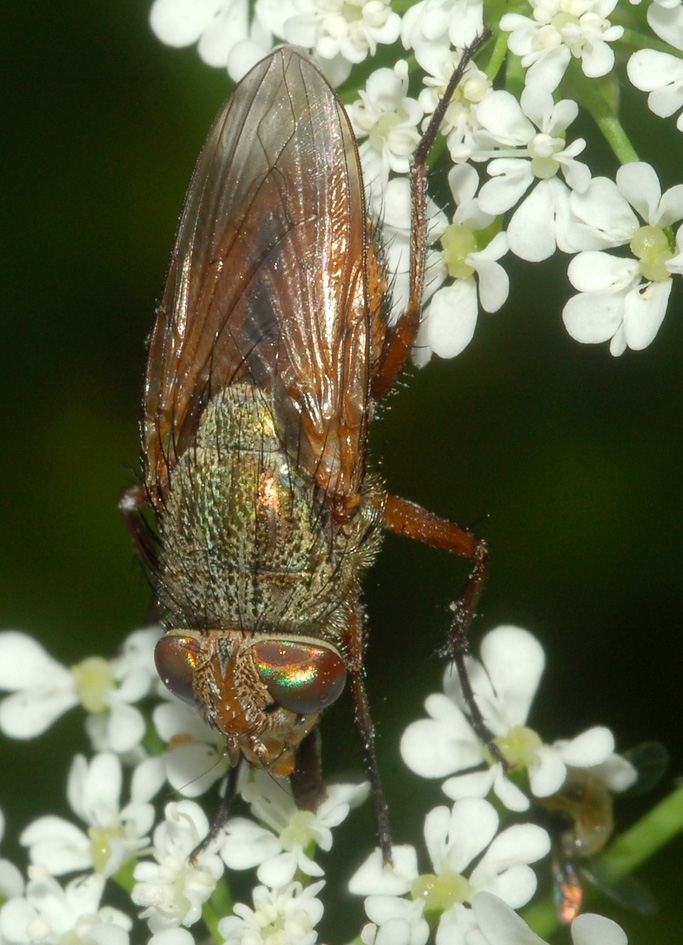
<point x="267" y="282"/>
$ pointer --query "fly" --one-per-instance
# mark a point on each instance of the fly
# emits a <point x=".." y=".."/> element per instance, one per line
<point x="270" y="349"/>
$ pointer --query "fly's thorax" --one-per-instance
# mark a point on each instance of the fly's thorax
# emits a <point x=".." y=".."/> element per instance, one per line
<point x="246" y="540"/>
<point x="263" y="693"/>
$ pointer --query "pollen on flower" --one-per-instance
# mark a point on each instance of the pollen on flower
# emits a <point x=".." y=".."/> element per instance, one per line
<point x="299" y="832"/>
<point x="100" y="845"/>
<point x="542" y="149"/>
<point x="441" y="892"/>
<point x="458" y="242"/>
<point x="651" y="246"/>
<point x="519" y="745"/>
<point x="93" y="678"/>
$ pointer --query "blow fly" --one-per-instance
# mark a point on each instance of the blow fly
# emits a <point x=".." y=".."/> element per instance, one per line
<point x="271" y="347"/>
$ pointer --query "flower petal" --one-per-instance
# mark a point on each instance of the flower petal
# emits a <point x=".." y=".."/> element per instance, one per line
<point x="547" y="772"/>
<point x="498" y="923"/>
<point x="590" y="748"/>
<point x="515" y="661"/>
<point x="25" y="664"/>
<point x="451" y="318"/>
<point x="592" y="929"/>
<point x="30" y="713"/>
<point x="644" y="311"/>
<point x="391" y="879"/>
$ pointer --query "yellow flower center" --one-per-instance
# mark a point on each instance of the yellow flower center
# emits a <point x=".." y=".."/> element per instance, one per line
<point x="298" y="832"/>
<point x="519" y="746"/>
<point x="650" y="245"/>
<point x="99" y="845"/>
<point x="441" y="892"/>
<point x="457" y="242"/>
<point x="93" y="679"/>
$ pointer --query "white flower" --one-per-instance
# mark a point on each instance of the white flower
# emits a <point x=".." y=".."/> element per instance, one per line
<point x="388" y="118"/>
<point x="454" y="838"/>
<point x="394" y="922"/>
<point x="433" y="24"/>
<point x="43" y="689"/>
<point x="504" y="685"/>
<point x="173" y="890"/>
<point x="177" y="936"/>
<point x="662" y="76"/>
<point x="559" y="30"/>
<point x="498" y="924"/>
<point x="342" y="32"/>
<point x="196" y="757"/>
<point x="268" y="20"/>
<point x="114" y="836"/>
<point x="460" y="121"/>
<point x="666" y="20"/>
<point x="50" y="915"/>
<point x="286" y="916"/>
<point x="282" y="850"/>
<point x="217" y="26"/>
<point x="622" y="298"/>
<point x="535" y="151"/>
<point x="469" y="249"/>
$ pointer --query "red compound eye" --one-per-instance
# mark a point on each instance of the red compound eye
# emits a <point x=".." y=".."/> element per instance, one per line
<point x="176" y="659"/>
<point x="301" y="677"/>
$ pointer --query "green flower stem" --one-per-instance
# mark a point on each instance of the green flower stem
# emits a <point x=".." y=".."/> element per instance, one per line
<point x="211" y="918"/>
<point x="514" y="76"/>
<point x="590" y="95"/>
<point x="498" y="55"/>
<point x="221" y="898"/>
<point x="124" y="878"/>
<point x="652" y="832"/>
<point x="153" y="743"/>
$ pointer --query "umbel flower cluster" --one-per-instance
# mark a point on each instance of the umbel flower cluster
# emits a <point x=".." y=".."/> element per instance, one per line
<point x="465" y="885"/>
<point x="520" y="179"/>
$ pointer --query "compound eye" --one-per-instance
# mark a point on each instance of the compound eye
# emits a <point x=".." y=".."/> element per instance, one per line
<point x="301" y="677"/>
<point x="176" y="659"/>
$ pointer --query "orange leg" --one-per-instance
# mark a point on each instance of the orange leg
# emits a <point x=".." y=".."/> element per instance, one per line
<point x="407" y="518"/>
<point x="401" y="338"/>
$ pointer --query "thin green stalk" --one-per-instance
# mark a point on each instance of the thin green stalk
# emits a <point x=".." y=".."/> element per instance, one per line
<point x="590" y="95"/>
<point x="211" y="918"/>
<point x="221" y="898"/>
<point x="124" y="877"/>
<point x="652" y="832"/>
<point x="498" y="55"/>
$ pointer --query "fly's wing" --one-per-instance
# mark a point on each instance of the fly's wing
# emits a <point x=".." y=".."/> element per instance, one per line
<point x="267" y="282"/>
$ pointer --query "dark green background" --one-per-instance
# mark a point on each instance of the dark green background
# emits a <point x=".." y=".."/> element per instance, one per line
<point x="567" y="460"/>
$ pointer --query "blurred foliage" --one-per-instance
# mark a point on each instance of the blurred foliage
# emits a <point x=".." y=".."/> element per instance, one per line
<point x="566" y="460"/>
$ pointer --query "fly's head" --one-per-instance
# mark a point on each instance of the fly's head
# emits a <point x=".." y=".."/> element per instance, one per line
<point x="263" y="693"/>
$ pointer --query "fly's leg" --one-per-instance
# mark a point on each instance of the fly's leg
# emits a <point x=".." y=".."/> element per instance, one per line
<point x="366" y="731"/>
<point x="132" y="502"/>
<point x="221" y="814"/>
<point x="306" y="779"/>
<point x="412" y="521"/>
<point x="401" y="339"/>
